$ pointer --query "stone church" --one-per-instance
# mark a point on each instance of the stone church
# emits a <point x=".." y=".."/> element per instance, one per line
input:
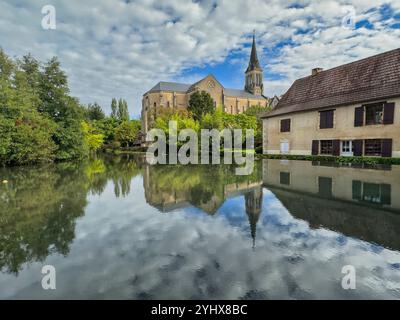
<point x="176" y="95"/>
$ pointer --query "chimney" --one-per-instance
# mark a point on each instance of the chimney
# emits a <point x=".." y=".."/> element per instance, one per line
<point x="316" y="71"/>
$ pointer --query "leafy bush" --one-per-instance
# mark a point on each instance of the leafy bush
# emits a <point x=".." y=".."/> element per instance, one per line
<point x="340" y="159"/>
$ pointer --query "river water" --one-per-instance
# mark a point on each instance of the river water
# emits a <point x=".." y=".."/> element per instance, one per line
<point x="117" y="228"/>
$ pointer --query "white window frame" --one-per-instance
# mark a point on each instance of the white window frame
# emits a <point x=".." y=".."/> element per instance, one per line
<point x="350" y="147"/>
<point x="285" y="150"/>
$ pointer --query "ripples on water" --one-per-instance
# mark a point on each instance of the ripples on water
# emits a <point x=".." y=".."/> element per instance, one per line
<point x="115" y="227"/>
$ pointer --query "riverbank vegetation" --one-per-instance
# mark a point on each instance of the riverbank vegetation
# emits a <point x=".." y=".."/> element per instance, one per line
<point x="202" y="114"/>
<point x="338" y="160"/>
<point x="41" y="122"/>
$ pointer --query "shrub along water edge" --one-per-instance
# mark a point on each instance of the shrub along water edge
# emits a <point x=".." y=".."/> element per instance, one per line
<point x="340" y="159"/>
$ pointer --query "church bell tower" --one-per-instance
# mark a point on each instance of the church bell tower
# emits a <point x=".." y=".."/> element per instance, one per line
<point x="254" y="73"/>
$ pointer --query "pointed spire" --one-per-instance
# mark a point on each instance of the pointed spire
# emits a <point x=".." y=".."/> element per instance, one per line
<point x="253" y="202"/>
<point x="253" y="63"/>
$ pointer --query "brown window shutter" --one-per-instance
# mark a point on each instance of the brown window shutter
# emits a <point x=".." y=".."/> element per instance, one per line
<point x="386" y="194"/>
<point x="388" y="113"/>
<point x="315" y="147"/>
<point x="359" y="116"/>
<point x="336" y="148"/>
<point x="387" y="148"/>
<point x="357" y="187"/>
<point x="322" y="120"/>
<point x="358" y="147"/>
<point x="329" y="119"/>
<point x="285" y="125"/>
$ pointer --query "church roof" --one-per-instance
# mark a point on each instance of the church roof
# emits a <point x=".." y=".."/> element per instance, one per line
<point x="241" y="94"/>
<point x="170" y="86"/>
<point x="193" y="86"/>
<point x="184" y="87"/>
<point x="373" y="78"/>
<point x="254" y="64"/>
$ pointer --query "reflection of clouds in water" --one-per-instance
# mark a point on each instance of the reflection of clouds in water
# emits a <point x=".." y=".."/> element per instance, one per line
<point x="130" y="250"/>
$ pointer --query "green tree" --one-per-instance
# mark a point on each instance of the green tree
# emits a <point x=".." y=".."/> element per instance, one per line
<point x="127" y="132"/>
<point x="107" y="127"/>
<point x="114" y="108"/>
<point x="93" y="139"/>
<point x="200" y="103"/>
<point x="31" y="67"/>
<point x="256" y="110"/>
<point x="123" y="113"/>
<point x="213" y="120"/>
<point x="95" y="112"/>
<point x="64" y="110"/>
<point x="25" y="135"/>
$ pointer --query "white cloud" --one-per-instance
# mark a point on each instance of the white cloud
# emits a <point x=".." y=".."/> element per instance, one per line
<point x="122" y="48"/>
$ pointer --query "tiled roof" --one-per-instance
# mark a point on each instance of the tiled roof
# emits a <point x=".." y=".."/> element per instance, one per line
<point x="183" y="87"/>
<point x="170" y="86"/>
<point x="241" y="94"/>
<point x="373" y="78"/>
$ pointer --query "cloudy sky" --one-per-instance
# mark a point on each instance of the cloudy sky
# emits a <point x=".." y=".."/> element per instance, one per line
<point x="121" y="48"/>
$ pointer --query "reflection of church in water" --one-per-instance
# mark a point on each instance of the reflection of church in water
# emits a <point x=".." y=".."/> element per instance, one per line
<point x="357" y="201"/>
<point x="167" y="198"/>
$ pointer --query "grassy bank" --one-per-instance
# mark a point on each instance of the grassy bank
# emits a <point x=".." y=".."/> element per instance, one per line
<point x="355" y="160"/>
<point x="130" y="150"/>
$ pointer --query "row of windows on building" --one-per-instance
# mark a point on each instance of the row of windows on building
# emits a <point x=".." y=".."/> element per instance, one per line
<point x="360" y="147"/>
<point x="370" y="114"/>
<point x="361" y="191"/>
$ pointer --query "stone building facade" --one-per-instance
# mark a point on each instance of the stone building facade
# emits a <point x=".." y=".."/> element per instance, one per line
<point x="176" y="96"/>
<point x="349" y="110"/>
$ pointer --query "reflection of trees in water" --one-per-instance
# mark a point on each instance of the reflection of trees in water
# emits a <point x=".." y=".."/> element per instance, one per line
<point x="39" y="205"/>
<point x="119" y="169"/>
<point x="38" y="211"/>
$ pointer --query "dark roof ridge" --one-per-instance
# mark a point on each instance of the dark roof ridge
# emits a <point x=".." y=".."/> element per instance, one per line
<point x="351" y="62"/>
<point x="371" y="78"/>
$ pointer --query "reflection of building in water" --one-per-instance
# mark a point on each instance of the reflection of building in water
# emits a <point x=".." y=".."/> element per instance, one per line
<point x="194" y="187"/>
<point x="360" y="203"/>
<point x="167" y="195"/>
<point x="253" y="201"/>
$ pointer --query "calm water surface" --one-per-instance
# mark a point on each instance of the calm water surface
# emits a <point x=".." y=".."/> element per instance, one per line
<point x="115" y="227"/>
